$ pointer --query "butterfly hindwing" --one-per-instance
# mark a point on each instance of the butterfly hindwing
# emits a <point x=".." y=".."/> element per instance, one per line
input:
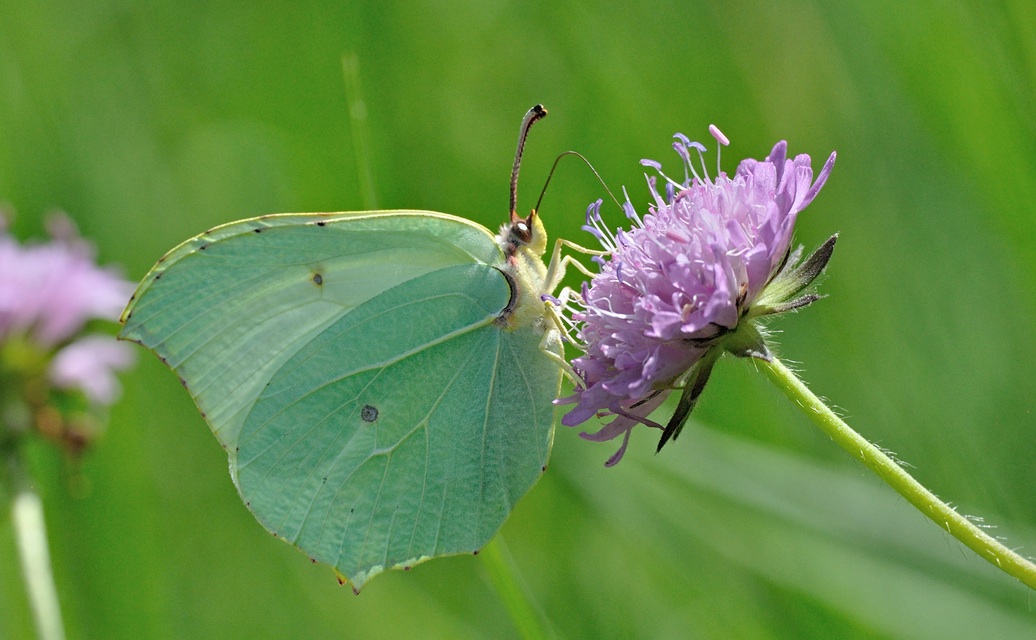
<point x="439" y="469"/>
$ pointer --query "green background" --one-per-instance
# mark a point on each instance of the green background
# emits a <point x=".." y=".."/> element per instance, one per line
<point x="150" y="122"/>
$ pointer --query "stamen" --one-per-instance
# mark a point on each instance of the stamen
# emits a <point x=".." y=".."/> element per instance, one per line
<point x="681" y="149"/>
<point x="597" y="234"/>
<point x="718" y="135"/>
<point x="609" y="311"/>
<point x="595" y="205"/>
<point x="723" y="142"/>
<point x="603" y="228"/>
<point x="658" y="167"/>
<point x="613" y="314"/>
<point x="700" y="148"/>
<point x="701" y="158"/>
<point x="627" y="208"/>
<point x="595" y="226"/>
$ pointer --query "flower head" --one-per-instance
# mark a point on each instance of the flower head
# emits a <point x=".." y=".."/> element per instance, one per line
<point x="686" y="283"/>
<point x="48" y="293"/>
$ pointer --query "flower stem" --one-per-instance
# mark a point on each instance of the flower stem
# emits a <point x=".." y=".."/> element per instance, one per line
<point x="31" y="536"/>
<point x="888" y="470"/>
<point x="520" y="606"/>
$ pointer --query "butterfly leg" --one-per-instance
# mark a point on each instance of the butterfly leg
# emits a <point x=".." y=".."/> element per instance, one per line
<point x="564" y="327"/>
<point x="550" y="337"/>
<point x="558" y="263"/>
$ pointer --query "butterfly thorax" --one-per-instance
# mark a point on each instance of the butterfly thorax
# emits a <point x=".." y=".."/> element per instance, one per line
<point x="524" y="241"/>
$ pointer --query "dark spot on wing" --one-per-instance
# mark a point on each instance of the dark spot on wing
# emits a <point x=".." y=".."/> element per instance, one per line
<point x="257" y="230"/>
<point x="369" y="413"/>
<point x="318" y="279"/>
<point x="321" y="223"/>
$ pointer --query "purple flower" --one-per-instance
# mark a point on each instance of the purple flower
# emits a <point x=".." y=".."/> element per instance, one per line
<point x="48" y="292"/>
<point x="89" y="364"/>
<point x="687" y="283"/>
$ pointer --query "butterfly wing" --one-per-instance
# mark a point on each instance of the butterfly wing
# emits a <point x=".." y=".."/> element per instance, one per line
<point x="374" y="411"/>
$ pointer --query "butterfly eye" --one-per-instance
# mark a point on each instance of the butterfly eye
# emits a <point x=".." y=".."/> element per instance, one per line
<point x="521" y="232"/>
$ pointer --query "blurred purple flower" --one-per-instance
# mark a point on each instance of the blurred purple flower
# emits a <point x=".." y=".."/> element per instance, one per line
<point x="48" y="292"/>
<point x="684" y="284"/>
<point x="89" y="364"/>
<point x="51" y="290"/>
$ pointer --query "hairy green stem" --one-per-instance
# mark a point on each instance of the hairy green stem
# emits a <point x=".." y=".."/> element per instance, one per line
<point x="511" y="592"/>
<point x="31" y="536"/>
<point x="926" y="502"/>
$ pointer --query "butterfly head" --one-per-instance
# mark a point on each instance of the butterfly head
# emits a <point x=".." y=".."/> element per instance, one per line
<point x="523" y="235"/>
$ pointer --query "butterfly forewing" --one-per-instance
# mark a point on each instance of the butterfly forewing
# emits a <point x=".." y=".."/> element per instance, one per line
<point x="226" y="309"/>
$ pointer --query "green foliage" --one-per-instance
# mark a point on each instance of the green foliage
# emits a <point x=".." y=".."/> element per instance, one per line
<point x="150" y="122"/>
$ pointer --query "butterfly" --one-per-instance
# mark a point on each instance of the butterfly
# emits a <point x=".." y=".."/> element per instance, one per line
<point x="382" y="381"/>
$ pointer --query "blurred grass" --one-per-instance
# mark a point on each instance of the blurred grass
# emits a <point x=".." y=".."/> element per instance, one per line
<point x="150" y="123"/>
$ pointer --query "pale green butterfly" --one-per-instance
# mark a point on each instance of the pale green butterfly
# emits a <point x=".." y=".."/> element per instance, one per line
<point x="382" y="381"/>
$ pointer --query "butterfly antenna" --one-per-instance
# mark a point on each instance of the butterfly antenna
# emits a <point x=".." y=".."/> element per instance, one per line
<point x="532" y="116"/>
<point x="581" y="157"/>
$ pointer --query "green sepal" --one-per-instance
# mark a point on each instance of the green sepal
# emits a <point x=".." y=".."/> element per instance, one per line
<point x="783" y="292"/>
<point x="692" y="389"/>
